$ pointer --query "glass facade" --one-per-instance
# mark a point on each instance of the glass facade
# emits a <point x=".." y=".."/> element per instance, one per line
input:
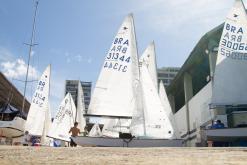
<point x="72" y="87"/>
<point x="167" y="74"/>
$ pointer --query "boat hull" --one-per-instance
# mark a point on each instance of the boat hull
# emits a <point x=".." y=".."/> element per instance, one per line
<point x="116" y="142"/>
<point x="227" y="134"/>
<point x="13" y="128"/>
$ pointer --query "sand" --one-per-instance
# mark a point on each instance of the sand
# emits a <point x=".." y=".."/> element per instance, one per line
<point x="95" y="155"/>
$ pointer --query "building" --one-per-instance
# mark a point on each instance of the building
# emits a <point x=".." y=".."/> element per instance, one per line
<point x="9" y="93"/>
<point x="190" y="95"/>
<point x="72" y="87"/>
<point x="167" y="74"/>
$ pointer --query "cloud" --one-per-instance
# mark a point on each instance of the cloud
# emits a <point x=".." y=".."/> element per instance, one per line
<point x="77" y="58"/>
<point x="17" y="69"/>
<point x="176" y="17"/>
<point x="5" y="54"/>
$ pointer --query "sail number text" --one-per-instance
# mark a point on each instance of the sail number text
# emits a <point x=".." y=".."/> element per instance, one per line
<point x="232" y="44"/>
<point x="38" y="97"/>
<point x="117" y="58"/>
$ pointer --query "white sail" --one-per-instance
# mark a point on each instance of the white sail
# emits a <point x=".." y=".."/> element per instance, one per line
<point x="156" y="122"/>
<point x="229" y="83"/>
<point x="37" y="111"/>
<point x="112" y="127"/>
<point x="64" y="119"/>
<point x="95" y="131"/>
<point x="80" y="108"/>
<point x="137" y="127"/>
<point x="47" y="125"/>
<point x="114" y="93"/>
<point x="167" y="107"/>
<point x="149" y="58"/>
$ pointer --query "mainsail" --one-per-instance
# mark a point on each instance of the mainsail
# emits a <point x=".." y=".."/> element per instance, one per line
<point x="114" y="93"/>
<point x="37" y="112"/>
<point x="156" y="123"/>
<point x="80" y="108"/>
<point x="95" y="131"/>
<point x="167" y="107"/>
<point x="149" y="58"/>
<point x="47" y="125"/>
<point x="64" y="119"/>
<point x="229" y="83"/>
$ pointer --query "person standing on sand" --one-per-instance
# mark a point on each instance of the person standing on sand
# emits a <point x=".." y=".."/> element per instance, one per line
<point x="75" y="131"/>
<point x="26" y="139"/>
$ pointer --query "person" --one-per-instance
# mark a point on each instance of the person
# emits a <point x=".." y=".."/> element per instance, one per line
<point x="75" y="131"/>
<point x="26" y="139"/>
<point x="85" y="133"/>
<point x="35" y="140"/>
<point x="218" y="125"/>
<point x="57" y="143"/>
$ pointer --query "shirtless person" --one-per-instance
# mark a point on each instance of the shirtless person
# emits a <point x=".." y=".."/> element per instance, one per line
<point x="75" y="131"/>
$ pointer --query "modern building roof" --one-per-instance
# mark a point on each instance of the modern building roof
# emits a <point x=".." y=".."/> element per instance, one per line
<point x="197" y="65"/>
<point x="207" y="42"/>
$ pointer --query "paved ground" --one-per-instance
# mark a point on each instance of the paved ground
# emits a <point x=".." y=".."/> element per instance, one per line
<point x="94" y="155"/>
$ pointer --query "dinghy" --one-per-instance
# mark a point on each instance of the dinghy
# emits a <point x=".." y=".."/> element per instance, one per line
<point x="38" y="118"/>
<point x="230" y="77"/>
<point x="118" y="95"/>
<point x="63" y="120"/>
<point x="12" y="121"/>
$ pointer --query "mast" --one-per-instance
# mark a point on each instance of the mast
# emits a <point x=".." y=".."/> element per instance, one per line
<point x="29" y="55"/>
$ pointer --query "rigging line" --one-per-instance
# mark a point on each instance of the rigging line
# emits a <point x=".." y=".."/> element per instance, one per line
<point x="25" y="81"/>
<point x="30" y="51"/>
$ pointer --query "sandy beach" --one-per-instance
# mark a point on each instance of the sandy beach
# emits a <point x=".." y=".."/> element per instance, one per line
<point x="95" y="155"/>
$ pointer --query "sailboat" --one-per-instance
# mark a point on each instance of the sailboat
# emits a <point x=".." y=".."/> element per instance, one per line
<point x="112" y="127"/>
<point x="63" y="120"/>
<point x="230" y="77"/>
<point x="12" y="121"/>
<point x="117" y="95"/>
<point x="229" y="82"/>
<point x="38" y="118"/>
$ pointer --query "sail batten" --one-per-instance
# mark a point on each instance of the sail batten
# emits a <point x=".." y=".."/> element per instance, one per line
<point x="229" y="82"/>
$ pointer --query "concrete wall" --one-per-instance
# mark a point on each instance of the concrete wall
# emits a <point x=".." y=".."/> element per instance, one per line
<point x="199" y="107"/>
<point x="181" y="121"/>
<point x="199" y="115"/>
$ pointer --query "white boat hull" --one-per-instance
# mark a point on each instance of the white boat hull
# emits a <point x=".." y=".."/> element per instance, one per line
<point x="116" y="142"/>
<point x="13" y="128"/>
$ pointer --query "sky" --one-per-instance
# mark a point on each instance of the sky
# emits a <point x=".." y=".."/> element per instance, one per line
<point x="74" y="36"/>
